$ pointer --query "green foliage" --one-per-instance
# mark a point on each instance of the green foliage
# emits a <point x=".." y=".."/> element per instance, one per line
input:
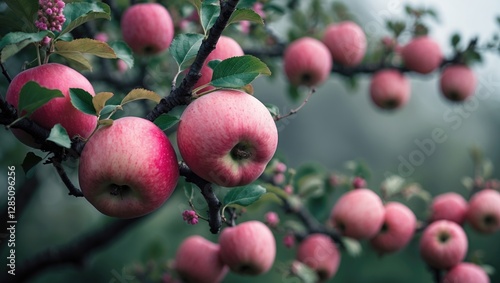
<point x="166" y="121"/>
<point x="208" y="15"/>
<point x="34" y="96"/>
<point x="82" y="100"/>
<point x="184" y="49"/>
<point x="29" y="162"/>
<point x="123" y="52"/>
<point x="245" y="15"/>
<point x="25" y="11"/>
<point x="273" y="109"/>
<point x="14" y="42"/>
<point x="78" y="13"/>
<point x="139" y="94"/>
<point x="99" y="101"/>
<point x="237" y="72"/>
<point x="59" y="136"/>
<point x="455" y="40"/>
<point x="213" y="63"/>
<point x="244" y="196"/>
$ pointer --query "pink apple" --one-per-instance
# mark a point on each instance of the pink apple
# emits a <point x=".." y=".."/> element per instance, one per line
<point x="198" y="261"/>
<point x="484" y="211"/>
<point x="443" y="244"/>
<point x="398" y="228"/>
<point x="422" y="55"/>
<point x="58" y="110"/>
<point x="226" y="48"/>
<point x="449" y="206"/>
<point x="128" y="169"/>
<point x="227" y="137"/>
<point x="307" y="62"/>
<point x="457" y="82"/>
<point x="147" y="28"/>
<point x="248" y="248"/>
<point x="346" y="42"/>
<point x="319" y="253"/>
<point x="466" y="273"/>
<point x="389" y="89"/>
<point x="358" y="214"/>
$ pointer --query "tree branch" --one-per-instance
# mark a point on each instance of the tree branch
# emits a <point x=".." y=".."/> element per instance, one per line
<point x="73" y="253"/>
<point x="5" y="73"/>
<point x="214" y="217"/>
<point x="73" y="190"/>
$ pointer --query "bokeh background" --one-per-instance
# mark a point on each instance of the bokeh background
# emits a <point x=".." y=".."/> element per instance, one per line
<point x="338" y="124"/>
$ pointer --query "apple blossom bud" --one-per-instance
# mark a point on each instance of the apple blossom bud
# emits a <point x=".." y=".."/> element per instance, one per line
<point x="289" y="240"/>
<point x="288" y="189"/>
<point x="279" y="178"/>
<point x="358" y="183"/>
<point x="272" y="219"/>
<point x="190" y="217"/>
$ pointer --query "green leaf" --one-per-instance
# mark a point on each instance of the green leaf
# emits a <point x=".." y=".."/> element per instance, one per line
<point x="293" y="93"/>
<point x="30" y="161"/>
<point x="13" y="42"/>
<point x="99" y="100"/>
<point x="105" y="122"/>
<point x="78" y="13"/>
<point x="305" y="273"/>
<point x="237" y="72"/>
<point x="273" y="109"/>
<point x="352" y="246"/>
<point x="77" y="60"/>
<point x="245" y="195"/>
<point x="214" y="63"/>
<point x="140" y="93"/>
<point x="455" y="39"/>
<point x="86" y="46"/>
<point x="34" y="96"/>
<point x="123" y="52"/>
<point x="208" y="15"/>
<point x="245" y="15"/>
<point x="184" y="48"/>
<point x="189" y="190"/>
<point x="25" y="10"/>
<point x="165" y="121"/>
<point x="110" y="108"/>
<point x="59" y="136"/>
<point x="82" y="100"/>
<point x="197" y="4"/>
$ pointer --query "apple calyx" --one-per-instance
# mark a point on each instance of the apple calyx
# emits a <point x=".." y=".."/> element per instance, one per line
<point x="443" y="237"/>
<point x="118" y="190"/>
<point x="306" y="79"/>
<point x="241" y="151"/>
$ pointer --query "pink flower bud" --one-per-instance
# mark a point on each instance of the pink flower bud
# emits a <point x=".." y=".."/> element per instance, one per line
<point x="272" y="219"/>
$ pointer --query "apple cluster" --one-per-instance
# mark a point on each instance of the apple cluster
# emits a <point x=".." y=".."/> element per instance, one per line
<point x="248" y="248"/>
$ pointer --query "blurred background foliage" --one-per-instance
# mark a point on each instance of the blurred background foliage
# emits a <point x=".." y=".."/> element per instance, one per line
<point x="339" y="124"/>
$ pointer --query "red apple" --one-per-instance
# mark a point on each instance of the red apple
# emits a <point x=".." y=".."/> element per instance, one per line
<point x="58" y="110"/>
<point x="457" y="82"/>
<point x="466" y="273"/>
<point x="198" y="261"/>
<point x="358" y="214"/>
<point x="248" y="248"/>
<point x="443" y="244"/>
<point x="422" y="55"/>
<point x="319" y="253"/>
<point x="484" y="211"/>
<point x="389" y="89"/>
<point x="128" y="169"/>
<point x="449" y="206"/>
<point x="398" y="228"/>
<point x="346" y="42"/>
<point x="226" y="48"/>
<point x="227" y="137"/>
<point x="147" y="28"/>
<point x="307" y="62"/>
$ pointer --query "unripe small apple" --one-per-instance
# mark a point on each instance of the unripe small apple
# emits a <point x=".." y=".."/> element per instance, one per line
<point x="457" y="82"/>
<point x="398" y="228"/>
<point x="227" y="137"/>
<point x="128" y="169"/>
<point x="422" y="55"/>
<point x="443" y="244"/>
<point x="147" y="28"/>
<point x="465" y="272"/>
<point x="346" y="42"/>
<point x="307" y="62"/>
<point x="248" y="248"/>
<point x="58" y="110"/>
<point x="389" y="89"/>
<point x="198" y="261"/>
<point x="358" y="214"/>
<point x="226" y="48"/>
<point x="319" y="253"/>
<point x="449" y="206"/>
<point x="484" y="211"/>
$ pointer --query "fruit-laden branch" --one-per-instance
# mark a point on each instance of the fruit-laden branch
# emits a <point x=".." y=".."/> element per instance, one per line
<point x="207" y="46"/>
<point x="73" y="190"/>
<point x="73" y="253"/>
<point x="214" y="217"/>
<point x="23" y="196"/>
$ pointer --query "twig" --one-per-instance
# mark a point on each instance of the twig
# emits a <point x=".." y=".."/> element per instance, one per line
<point x="214" y="217"/>
<point x="73" y="253"/>
<point x="5" y="73"/>
<point x="293" y="111"/>
<point x="73" y="190"/>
